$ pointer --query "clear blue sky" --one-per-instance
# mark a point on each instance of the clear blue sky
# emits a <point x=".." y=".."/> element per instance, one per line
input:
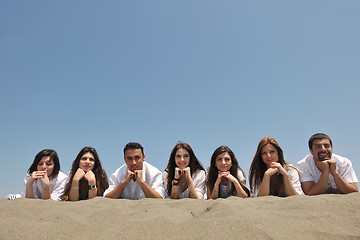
<point x="209" y="73"/>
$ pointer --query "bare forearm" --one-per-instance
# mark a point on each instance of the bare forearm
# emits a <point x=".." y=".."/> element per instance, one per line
<point x="148" y="191"/>
<point x="29" y="190"/>
<point x="289" y="187"/>
<point x="174" y="192"/>
<point x="321" y="186"/>
<point x="192" y="190"/>
<point x="46" y="192"/>
<point x="116" y="193"/>
<point x="214" y="194"/>
<point x="264" y="189"/>
<point x="239" y="190"/>
<point x="342" y="185"/>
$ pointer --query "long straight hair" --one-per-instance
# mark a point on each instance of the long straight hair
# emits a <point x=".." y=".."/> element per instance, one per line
<point x="213" y="171"/>
<point x="194" y="163"/>
<point x="100" y="174"/>
<point x="258" y="167"/>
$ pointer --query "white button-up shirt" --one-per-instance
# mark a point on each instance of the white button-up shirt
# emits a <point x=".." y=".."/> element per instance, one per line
<point x="57" y="186"/>
<point x="309" y="172"/>
<point x="150" y="174"/>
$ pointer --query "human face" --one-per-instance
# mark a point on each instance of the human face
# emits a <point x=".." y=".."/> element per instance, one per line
<point x="269" y="154"/>
<point x="182" y="158"/>
<point x="134" y="159"/>
<point x="46" y="164"/>
<point x="321" y="149"/>
<point x="87" y="162"/>
<point x="223" y="162"/>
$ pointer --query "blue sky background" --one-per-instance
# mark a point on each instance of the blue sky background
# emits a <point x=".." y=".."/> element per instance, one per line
<point x="209" y="73"/>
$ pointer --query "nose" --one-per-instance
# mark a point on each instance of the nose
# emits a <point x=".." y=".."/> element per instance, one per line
<point x="42" y="167"/>
<point x="134" y="162"/>
<point x="268" y="154"/>
<point x="223" y="161"/>
<point x="323" y="148"/>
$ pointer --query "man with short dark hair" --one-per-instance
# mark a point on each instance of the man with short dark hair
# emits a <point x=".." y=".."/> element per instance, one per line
<point x="136" y="179"/>
<point x="325" y="172"/>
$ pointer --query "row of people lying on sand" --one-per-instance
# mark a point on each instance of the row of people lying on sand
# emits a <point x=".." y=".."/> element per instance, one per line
<point x="319" y="172"/>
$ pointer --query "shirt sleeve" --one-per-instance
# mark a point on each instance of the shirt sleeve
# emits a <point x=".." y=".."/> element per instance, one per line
<point x="304" y="172"/>
<point x="165" y="181"/>
<point x="199" y="183"/>
<point x="59" y="187"/>
<point x="240" y="175"/>
<point x="113" y="182"/>
<point x="348" y="173"/>
<point x="158" y="184"/>
<point x="294" y="177"/>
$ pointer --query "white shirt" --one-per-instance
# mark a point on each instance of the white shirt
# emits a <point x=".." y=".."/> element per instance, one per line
<point x="309" y="172"/>
<point x="57" y="186"/>
<point x="294" y="178"/>
<point x="150" y="174"/>
<point x="198" y="179"/>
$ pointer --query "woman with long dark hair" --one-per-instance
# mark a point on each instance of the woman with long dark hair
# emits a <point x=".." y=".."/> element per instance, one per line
<point x="270" y="174"/>
<point x="184" y="177"/>
<point x="225" y="177"/>
<point x="87" y="179"/>
<point x="44" y="179"/>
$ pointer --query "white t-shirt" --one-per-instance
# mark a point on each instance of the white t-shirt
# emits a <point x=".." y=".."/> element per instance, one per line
<point x="150" y="174"/>
<point x="57" y="186"/>
<point x="294" y="178"/>
<point x="198" y="179"/>
<point x="310" y="173"/>
<point x="224" y="189"/>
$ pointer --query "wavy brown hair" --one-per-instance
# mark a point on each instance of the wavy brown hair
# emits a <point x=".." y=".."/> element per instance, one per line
<point x="194" y="163"/>
<point x="100" y="175"/>
<point x="213" y="171"/>
<point x="258" y="167"/>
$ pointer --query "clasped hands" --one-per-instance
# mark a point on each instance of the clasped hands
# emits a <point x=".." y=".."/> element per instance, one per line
<point x="89" y="176"/>
<point x="135" y="175"/>
<point x="326" y="165"/>
<point x="276" y="168"/>
<point x="182" y="172"/>
<point x="41" y="175"/>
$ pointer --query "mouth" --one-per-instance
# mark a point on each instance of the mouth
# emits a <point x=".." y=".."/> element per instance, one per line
<point x="324" y="156"/>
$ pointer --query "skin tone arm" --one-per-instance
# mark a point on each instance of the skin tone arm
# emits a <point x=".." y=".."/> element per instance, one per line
<point x="328" y="167"/>
<point x="44" y="179"/>
<point x="74" y="190"/>
<point x="215" y="193"/>
<point x="276" y="168"/>
<point x="116" y="193"/>
<point x="148" y="191"/>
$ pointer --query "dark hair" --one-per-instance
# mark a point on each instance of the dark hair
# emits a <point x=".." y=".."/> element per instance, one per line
<point x="194" y="163"/>
<point x="258" y="167"/>
<point x="133" y="145"/>
<point x="213" y="171"/>
<point x="44" y="153"/>
<point x="318" y="136"/>
<point x="100" y="174"/>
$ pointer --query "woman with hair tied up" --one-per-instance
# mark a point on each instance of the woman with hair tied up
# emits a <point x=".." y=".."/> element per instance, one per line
<point x="184" y="177"/>
<point x="44" y="179"/>
<point x="270" y="174"/>
<point x="86" y="179"/>
<point x="225" y="177"/>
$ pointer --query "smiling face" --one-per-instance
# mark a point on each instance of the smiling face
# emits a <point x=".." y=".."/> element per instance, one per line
<point x="87" y="162"/>
<point x="182" y="158"/>
<point x="223" y="162"/>
<point x="269" y="154"/>
<point x="321" y="149"/>
<point x="134" y="159"/>
<point x="46" y="164"/>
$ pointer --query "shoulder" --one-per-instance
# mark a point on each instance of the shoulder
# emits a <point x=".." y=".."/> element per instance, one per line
<point x="151" y="169"/>
<point x="61" y="176"/>
<point x="120" y="171"/>
<point x="342" y="161"/>
<point x="305" y="162"/>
